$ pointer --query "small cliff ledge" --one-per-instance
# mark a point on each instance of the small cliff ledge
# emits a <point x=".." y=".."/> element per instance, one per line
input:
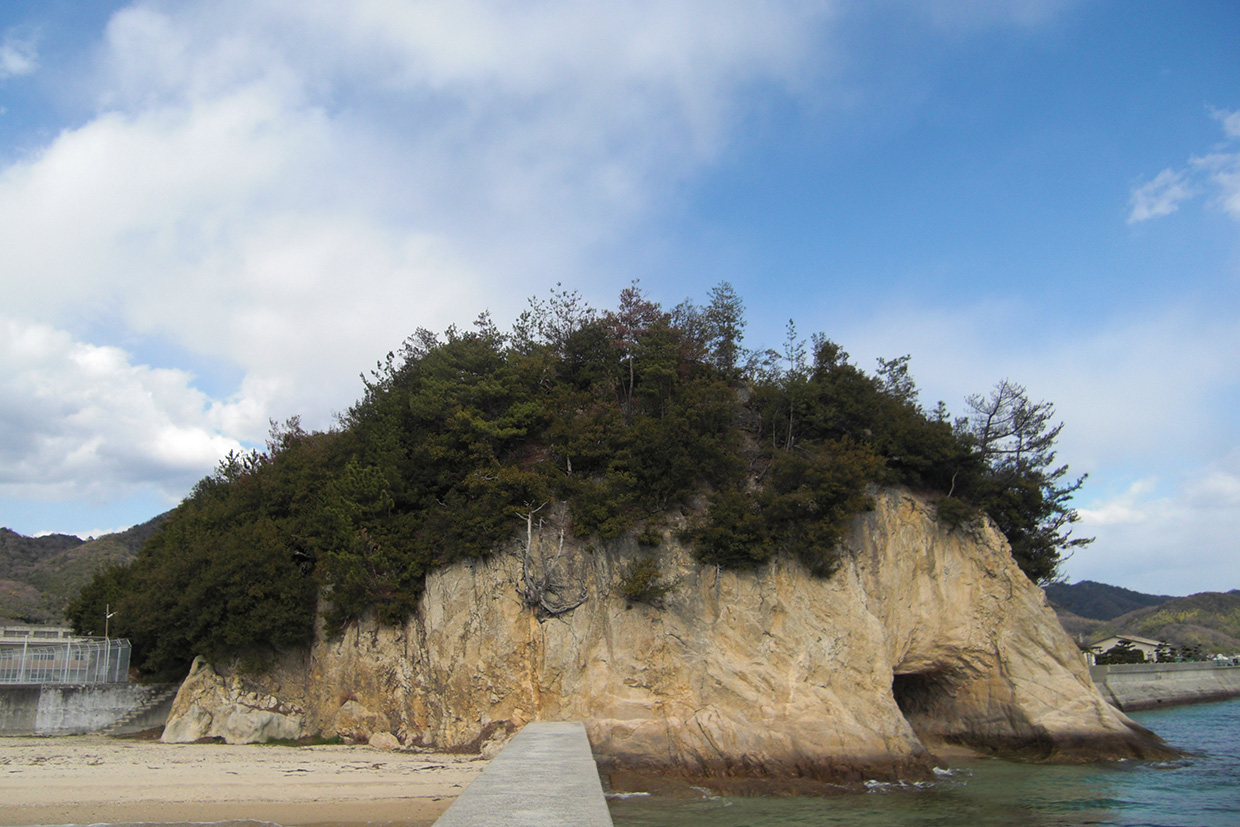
<point x="923" y="638"/>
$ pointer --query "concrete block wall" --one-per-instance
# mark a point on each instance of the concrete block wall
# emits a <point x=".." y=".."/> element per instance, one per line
<point x="19" y="707"/>
<point x="67" y="709"/>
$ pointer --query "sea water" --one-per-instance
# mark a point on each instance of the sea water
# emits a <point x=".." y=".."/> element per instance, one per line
<point x="1202" y="790"/>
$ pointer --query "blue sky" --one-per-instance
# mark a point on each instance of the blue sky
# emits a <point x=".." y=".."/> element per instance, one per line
<point x="218" y="213"/>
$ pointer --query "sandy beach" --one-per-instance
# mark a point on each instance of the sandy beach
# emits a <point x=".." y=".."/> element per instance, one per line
<point x="94" y="779"/>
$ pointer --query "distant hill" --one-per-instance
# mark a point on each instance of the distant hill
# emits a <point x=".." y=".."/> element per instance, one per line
<point x="1081" y="629"/>
<point x="38" y="575"/>
<point x="1098" y="601"/>
<point x="1210" y="620"/>
<point x="1090" y="611"/>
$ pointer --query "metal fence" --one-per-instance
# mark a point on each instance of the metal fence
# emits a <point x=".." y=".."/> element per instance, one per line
<point x="74" y="661"/>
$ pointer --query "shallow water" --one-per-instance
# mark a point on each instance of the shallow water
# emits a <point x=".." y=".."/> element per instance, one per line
<point x="1201" y="791"/>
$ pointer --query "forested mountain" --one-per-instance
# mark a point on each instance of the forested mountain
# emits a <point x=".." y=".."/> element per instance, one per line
<point x="1098" y="601"/>
<point x="598" y="423"/>
<point x="20" y="558"/>
<point x="38" y="575"/>
<point x="1208" y="621"/>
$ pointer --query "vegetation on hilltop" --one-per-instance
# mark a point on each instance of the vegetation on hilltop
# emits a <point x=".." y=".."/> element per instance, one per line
<point x="460" y="441"/>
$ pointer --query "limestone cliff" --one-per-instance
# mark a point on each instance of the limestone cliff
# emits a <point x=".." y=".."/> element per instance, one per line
<point x="923" y="637"/>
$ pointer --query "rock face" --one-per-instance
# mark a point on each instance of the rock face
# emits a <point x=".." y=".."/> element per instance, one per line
<point x="923" y="638"/>
<point x="209" y="706"/>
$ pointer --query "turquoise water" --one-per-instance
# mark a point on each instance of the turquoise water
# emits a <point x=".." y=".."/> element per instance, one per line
<point x="1200" y="791"/>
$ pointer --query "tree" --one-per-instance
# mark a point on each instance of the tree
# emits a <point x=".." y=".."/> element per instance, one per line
<point x="640" y="583"/>
<point x="1010" y="429"/>
<point x="794" y="354"/>
<point x="725" y="327"/>
<point x="896" y="381"/>
<point x="629" y="324"/>
<point x="1122" y="652"/>
<point x="1023" y="491"/>
<point x="552" y="322"/>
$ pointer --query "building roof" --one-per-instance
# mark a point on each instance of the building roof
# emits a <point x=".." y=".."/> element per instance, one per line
<point x="34" y="635"/>
<point x="1114" y="639"/>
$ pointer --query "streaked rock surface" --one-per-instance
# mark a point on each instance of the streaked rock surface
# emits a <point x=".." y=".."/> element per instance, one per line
<point x="923" y="637"/>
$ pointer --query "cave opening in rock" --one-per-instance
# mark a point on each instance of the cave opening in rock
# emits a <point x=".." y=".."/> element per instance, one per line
<point x="924" y="694"/>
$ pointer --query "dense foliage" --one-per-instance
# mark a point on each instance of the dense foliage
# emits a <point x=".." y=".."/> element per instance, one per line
<point x="1122" y="652"/>
<point x="624" y="415"/>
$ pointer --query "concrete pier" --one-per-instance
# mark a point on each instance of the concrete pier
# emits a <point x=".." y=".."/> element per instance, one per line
<point x="545" y="776"/>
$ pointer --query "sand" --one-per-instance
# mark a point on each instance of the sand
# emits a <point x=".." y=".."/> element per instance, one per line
<point x="93" y="779"/>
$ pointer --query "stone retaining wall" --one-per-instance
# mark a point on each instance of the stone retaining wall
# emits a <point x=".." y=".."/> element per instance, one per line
<point x="1147" y="685"/>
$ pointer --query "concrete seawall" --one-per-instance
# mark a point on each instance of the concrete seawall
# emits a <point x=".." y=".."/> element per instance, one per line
<point x="1147" y="685"/>
<point x="75" y="709"/>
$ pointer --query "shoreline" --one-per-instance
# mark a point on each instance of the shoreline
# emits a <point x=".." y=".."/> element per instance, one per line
<point x="92" y="779"/>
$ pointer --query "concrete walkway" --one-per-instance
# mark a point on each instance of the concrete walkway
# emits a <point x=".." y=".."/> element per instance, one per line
<point x="545" y="776"/>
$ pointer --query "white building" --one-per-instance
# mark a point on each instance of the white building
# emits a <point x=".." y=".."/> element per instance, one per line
<point x="1146" y="647"/>
<point x="34" y="635"/>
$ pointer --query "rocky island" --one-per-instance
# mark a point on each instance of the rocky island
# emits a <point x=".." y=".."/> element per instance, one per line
<point x="769" y="570"/>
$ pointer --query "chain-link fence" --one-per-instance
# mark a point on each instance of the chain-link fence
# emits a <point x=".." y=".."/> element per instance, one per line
<point x="74" y="661"/>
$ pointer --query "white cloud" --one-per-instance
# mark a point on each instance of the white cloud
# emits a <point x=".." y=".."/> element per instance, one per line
<point x="1178" y="542"/>
<point x="1162" y="196"/>
<point x="1220" y="168"/>
<point x="1229" y="120"/>
<point x="1122" y="510"/>
<point x="291" y="188"/>
<point x="1223" y="170"/>
<point x="511" y="140"/>
<point x="83" y="421"/>
<point x="18" y="55"/>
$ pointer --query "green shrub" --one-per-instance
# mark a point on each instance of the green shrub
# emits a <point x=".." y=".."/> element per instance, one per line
<point x="954" y="513"/>
<point x="639" y="582"/>
<point x="650" y="536"/>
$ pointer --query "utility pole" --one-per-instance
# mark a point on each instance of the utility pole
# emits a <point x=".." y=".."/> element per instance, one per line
<point x="107" y="643"/>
